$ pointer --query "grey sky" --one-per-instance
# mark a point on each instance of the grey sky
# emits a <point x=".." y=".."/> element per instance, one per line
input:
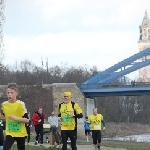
<point x="79" y="32"/>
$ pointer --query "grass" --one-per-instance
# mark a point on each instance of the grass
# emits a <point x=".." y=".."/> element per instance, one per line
<point x="114" y="145"/>
<point x="128" y="147"/>
<point x="28" y="147"/>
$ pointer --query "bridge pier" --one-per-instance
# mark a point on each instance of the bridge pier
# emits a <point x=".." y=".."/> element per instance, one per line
<point x="90" y="104"/>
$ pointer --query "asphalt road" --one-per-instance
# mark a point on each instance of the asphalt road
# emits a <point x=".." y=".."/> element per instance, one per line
<point x="82" y="147"/>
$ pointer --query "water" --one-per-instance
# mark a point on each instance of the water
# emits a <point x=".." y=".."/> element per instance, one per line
<point x="135" y="138"/>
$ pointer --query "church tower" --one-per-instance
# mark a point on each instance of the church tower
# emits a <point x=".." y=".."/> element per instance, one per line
<point x="143" y="43"/>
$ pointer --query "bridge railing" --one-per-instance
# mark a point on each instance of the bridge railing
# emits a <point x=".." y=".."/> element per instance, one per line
<point x="114" y="85"/>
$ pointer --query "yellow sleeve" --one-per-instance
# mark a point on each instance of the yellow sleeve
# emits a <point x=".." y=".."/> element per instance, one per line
<point x="101" y="117"/>
<point x="23" y="109"/>
<point x="78" y="109"/>
<point x="89" y="119"/>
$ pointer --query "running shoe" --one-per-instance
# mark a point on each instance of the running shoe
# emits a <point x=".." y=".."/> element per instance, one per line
<point x="98" y="148"/>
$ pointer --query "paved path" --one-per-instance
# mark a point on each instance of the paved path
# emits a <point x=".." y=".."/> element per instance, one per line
<point x="84" y="147"/>
<point x="90" y="147"/>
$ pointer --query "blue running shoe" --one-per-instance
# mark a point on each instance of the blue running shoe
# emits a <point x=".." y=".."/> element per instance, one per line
<point x="35" y="143"/>
<point x="98" y="148"/>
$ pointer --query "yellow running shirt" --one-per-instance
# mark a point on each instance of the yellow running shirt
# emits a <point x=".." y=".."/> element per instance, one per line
<point x="14" y="128"/>
<point x="68" y="123"/>
<point x="95" y="121"/>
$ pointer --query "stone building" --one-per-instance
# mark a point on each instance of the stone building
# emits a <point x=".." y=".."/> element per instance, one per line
<point x="143" y="43"/>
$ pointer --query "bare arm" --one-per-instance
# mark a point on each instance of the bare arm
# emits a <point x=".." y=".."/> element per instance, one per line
<point x="25" y="120"/>
<point x="2" y="117"/>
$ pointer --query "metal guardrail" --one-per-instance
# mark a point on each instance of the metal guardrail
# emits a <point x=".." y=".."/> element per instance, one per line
<point x="114" y="85"/>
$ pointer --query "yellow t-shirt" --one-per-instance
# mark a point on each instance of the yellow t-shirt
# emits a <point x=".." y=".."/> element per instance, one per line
<point x="68" y="123"/>
<point x="14" y="128"/>
<point x="95" y="121"/>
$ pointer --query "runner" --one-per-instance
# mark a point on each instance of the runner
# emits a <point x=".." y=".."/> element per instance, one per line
<point x="16" y="116"/>
<point x="68" y="112"/>
<point x="87" y="128"/>
<point x="95" y="121"/>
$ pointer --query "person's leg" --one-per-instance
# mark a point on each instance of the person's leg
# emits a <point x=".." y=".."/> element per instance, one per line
<point x="1" y="138"/>
<point x="56" y="137"/>
<point x="28" y="132"/>
<point x="99" y="139"/>
<point x="72" y="136"/>
<point x="8" y="142"/>
<point x="94" y="136"/>
<point x="64" y="137"/>
<point x="28" y="135"/>
<point x="86" y="134"/>
<point x="41" y="134"/>
<point x="20" y="143"/>
<point x="37" y="131"/>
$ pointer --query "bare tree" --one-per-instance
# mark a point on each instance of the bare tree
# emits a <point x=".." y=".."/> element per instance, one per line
<point x="2" y="19"/>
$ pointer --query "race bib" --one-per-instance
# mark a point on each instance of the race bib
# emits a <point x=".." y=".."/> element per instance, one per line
<point x="96" y="127"/>
<point x="66" y="118"/>
<point x="14" y="126"/>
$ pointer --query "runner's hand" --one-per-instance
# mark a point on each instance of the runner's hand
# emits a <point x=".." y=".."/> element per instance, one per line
<point x="59" y="119"/>
<point x="71" y="115"/>
<point x="39" y="120"/>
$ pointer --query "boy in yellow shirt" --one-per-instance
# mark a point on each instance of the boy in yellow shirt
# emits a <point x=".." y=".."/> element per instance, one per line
<point x="95" y="121"/>
<point x="16" y="116"/>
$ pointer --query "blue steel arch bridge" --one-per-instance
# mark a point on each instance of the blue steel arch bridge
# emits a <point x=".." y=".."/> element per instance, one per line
<point x="101" y="84"/>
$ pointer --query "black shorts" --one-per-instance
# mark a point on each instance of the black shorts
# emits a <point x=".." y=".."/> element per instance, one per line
<point x="87" y="132"/>
<point x="96" y="135"/>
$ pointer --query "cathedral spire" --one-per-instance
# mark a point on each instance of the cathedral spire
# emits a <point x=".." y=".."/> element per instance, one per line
<point x="145" y="19"/>
<point x="145" y="29"/>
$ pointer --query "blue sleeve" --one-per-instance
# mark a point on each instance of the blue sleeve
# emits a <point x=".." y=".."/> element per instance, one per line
<point x="103" y="123"/>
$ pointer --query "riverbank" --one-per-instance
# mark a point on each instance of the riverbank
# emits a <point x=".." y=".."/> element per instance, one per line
<point x="125" y="129"/>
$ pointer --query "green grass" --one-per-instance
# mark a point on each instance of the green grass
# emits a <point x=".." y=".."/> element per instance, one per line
<point x="128" y="147"/>
<point x="28" y="147"/>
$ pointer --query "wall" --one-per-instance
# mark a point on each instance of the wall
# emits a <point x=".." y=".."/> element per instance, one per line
<point x="77" y="96"/>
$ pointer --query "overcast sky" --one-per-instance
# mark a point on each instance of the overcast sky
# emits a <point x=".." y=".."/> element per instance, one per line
<point x="78" y="32"/>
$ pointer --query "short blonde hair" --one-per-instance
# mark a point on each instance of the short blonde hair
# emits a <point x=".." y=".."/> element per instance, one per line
<point x="13" y="86"/>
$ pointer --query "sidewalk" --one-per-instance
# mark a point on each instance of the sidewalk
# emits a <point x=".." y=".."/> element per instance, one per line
<point x="82" y="147"/>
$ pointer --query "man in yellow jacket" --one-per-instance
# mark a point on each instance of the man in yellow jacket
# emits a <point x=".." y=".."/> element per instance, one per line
<point x="68" y="112"/>
<point x="96" y="121"/>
